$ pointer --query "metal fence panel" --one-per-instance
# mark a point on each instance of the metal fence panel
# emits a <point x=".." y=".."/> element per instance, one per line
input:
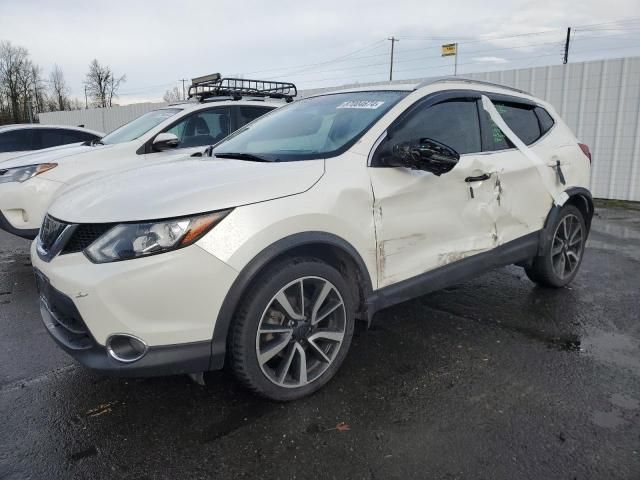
<point x="102" y="119"/>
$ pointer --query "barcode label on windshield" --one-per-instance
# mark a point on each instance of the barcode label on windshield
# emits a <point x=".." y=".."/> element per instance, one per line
<point x="366" y="104"/>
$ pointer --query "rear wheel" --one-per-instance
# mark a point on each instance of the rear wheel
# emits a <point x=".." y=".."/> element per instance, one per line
<point x="293" y="329"/>
<point x="560" y="262"/>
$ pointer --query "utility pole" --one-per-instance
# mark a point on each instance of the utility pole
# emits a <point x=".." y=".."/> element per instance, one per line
<point x="455" y="62"/>
<point x="393" y="41"/>
<point x="184" y="97"/>
<point x="86" y="102"/>
<point x="566" y="46"/>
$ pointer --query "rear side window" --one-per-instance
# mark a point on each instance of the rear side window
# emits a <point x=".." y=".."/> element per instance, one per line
<point x="249" y="114"/>
<point x="529" y="123"/>
<point x="16" y="140"/>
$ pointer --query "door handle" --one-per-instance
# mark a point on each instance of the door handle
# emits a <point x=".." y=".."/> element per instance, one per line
<point x="479" y="178"/>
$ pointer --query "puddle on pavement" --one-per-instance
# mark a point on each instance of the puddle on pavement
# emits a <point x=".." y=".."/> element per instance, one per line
<point x="611" y="347"/>
<point x="625" y="401"/>
<point x="607" y="419"/>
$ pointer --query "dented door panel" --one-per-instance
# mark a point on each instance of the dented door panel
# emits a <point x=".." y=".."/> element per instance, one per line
<point x="424" y="221"/>
<point x="522" y="199"/>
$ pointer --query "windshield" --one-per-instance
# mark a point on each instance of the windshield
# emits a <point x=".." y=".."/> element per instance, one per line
<point x="311" y="128"/>
<point x="139" y="126"/>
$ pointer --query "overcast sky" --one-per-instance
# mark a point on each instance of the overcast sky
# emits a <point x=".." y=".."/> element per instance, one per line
<point x="314" y="44"/>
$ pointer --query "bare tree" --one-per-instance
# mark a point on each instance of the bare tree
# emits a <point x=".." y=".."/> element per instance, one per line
<point x="172" y="96"/>
<point x="102" y="85"/>
<point x="23" y="91"/>
<point x="58" y="88"/>
<point x="14" y="68"/>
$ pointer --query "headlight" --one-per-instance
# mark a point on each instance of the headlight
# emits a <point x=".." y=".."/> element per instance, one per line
<point x="22" y="174"/>
<point x="132" y="240"/>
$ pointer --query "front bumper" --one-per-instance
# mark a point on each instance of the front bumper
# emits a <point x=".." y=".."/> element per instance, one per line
<point x="170" y="301"/>
<point x="24" y="205"/>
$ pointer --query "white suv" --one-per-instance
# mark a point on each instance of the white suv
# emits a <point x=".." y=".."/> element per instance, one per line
<point x="314" y="216"/>
<point x="29" y="183"/>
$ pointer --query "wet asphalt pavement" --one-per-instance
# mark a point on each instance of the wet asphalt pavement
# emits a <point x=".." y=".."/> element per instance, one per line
<point x="491" y="379"/>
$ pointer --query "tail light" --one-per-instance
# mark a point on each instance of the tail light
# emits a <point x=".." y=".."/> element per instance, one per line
<point x="585" y="150"/>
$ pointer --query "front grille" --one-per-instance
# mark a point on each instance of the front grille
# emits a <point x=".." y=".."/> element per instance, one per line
<point x="85" y="235"/>
<point x="50" y="231"/>
<point x="62" y="317"/>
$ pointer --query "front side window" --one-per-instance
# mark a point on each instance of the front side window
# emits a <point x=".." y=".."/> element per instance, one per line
<point x="16" y="140"/>
<point x="454" y="123"/>
<point x="140" y="126"/>
<point x="312" y="128"/>
<point x="203" y="128"/>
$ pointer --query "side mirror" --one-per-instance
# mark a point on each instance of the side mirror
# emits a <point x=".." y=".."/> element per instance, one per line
<point x="425" y="154"/>
<point x="165" y="141"/>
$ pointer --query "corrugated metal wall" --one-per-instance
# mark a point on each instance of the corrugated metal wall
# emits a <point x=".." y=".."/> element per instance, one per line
<point x="600" y="101"/>
<point x="101" y="119"/>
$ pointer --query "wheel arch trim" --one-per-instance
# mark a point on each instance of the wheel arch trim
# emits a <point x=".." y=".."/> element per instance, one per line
<point x="581" y="193"/>
<point x="257" y="264"/>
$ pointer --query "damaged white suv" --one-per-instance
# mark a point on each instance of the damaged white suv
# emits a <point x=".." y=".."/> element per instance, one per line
<point x="318" y="214"/>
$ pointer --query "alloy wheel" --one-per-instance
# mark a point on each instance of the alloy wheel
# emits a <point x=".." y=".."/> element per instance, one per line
<point x="301" y="332"/>
<point x="567" y="246"/>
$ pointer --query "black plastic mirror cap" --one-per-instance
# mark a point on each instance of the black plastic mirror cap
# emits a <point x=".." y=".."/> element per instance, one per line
<point x="126" y="348"/>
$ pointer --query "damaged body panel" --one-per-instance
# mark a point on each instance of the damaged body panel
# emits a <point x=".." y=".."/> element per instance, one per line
<point x="424" y="221"/>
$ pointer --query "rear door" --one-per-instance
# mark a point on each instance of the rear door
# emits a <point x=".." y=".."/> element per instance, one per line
<point x="524" y="199"/>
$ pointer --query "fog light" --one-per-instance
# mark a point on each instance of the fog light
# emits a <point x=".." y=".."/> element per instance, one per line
<point x="126" y="348"/>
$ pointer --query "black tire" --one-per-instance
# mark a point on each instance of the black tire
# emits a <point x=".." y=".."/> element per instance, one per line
<point x="544" y="270"/>
<point x="243" y="342"/>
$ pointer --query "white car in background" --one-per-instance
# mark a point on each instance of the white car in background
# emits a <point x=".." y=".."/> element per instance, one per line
<point x="21" y="139"/>
<point x="29" y="183"/>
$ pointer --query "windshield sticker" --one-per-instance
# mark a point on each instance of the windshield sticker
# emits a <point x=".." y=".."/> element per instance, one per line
<point x="366" y="104"/>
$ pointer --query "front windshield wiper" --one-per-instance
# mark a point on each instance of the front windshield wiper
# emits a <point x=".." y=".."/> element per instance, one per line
<point x="242" y="156"/>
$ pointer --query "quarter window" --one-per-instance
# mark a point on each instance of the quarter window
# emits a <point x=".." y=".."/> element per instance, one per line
<point x="546" y="122"/>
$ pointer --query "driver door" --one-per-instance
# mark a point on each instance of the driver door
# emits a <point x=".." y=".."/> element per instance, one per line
<point x="424" y="221"/>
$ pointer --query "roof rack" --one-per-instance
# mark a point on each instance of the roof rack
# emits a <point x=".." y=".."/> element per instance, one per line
<point x="215" y="86"/>
<point x="468" y="80"/>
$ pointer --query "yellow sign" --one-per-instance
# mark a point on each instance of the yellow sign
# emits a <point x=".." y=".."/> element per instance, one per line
<point x="449" y="49"/>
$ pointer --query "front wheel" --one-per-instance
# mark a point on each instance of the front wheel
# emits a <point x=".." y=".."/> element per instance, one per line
<point x="560" y="262"/>
<point x="293" y="329"/>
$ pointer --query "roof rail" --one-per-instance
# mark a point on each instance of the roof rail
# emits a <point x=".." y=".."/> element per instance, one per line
<point x="215" y="86"/>
<point x="431" y="81"/>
